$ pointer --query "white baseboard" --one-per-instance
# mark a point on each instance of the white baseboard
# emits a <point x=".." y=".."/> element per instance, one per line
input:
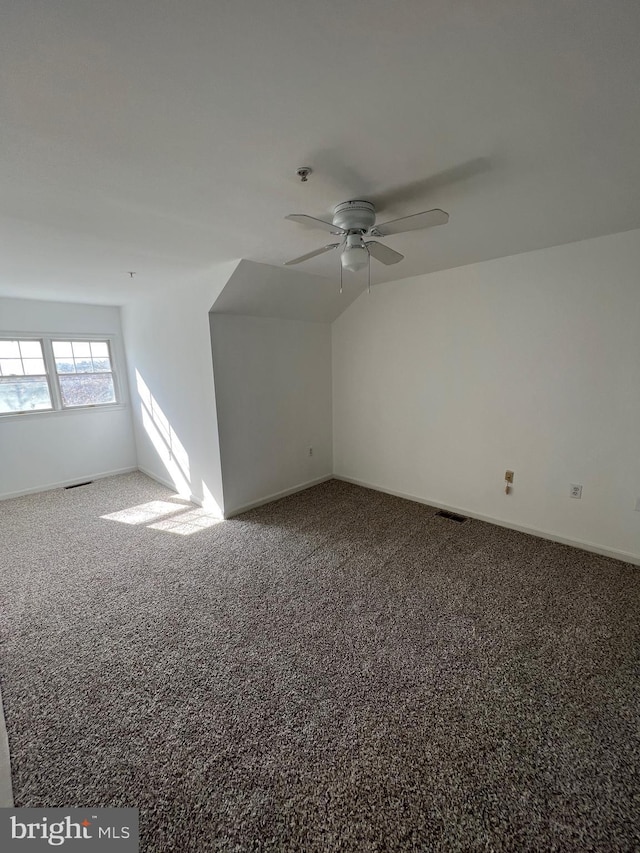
<point x="267" y="499"/>
<point x="626" y="556"/>
<point x="47" y="487"/>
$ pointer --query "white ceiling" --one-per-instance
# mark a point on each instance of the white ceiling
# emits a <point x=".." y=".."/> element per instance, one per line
<point x="163" y="137"/>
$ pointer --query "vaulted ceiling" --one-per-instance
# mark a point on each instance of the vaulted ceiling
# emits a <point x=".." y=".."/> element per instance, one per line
<point x="163" y="137"/>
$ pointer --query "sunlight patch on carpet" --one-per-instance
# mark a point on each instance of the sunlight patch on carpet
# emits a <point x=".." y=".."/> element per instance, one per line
<point x="144" y="513"/>
<point x="189" y="522"/>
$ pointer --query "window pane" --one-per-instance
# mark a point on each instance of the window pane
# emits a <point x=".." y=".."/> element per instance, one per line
<point x="31" y="349"/>
<point x="81" y="349"/>
<point x="99" y="349"/>
<point x="101" y="364"/>
<point x="64" y="365"/>
<point x="34" y="366"/>
<point x="87" y="390"/>
<point x="9" y="349"/>
<point x="24" y="394"/>
<point x="62" y="349"/>
<point x="84" y="365"/>
<point x="11" y="367"/>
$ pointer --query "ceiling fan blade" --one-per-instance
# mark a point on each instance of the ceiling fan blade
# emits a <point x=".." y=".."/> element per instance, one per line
<point x="426" y="219"/>
<point x="312" y="254"/>
<point x="426" y="187"/>
<point x="312" y="222"/>
<point x="383" y="253"/>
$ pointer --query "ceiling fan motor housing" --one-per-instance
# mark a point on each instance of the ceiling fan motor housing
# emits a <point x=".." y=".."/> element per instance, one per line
<point x="354" y="215"/>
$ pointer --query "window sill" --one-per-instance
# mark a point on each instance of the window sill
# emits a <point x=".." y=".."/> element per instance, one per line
<point x="48" y="413"/>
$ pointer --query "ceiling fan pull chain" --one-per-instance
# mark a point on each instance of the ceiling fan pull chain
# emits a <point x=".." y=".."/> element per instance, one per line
<point x="369" y="276"/>
<point x="340" y="277"/>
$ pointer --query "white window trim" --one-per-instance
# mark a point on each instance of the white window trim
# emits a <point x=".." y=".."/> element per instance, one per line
<point x="47" y="339"/>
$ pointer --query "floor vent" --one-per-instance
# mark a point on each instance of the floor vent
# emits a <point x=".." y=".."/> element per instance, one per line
<point x="452" y="516"/>
<point x="77" y="485"/>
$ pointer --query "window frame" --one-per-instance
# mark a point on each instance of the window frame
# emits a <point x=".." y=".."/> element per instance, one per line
<point x="52" y="376"/>
<point x="47" y="377"/>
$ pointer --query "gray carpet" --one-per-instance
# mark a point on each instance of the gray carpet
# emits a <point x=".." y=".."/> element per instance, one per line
<point x="338" y="671"/>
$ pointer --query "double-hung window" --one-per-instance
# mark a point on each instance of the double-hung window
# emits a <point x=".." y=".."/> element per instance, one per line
<point x="49" y="373"/>
<point x="84" y="373"/>
<point x="24" y="385"/>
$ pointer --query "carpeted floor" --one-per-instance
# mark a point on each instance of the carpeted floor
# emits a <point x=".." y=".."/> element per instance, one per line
<point x="338" y="671"/>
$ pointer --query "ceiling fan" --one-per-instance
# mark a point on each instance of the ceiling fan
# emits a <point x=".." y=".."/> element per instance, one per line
<point x="353" y="221"/>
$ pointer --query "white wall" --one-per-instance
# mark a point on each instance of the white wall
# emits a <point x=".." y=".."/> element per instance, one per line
<point x="273" y="392"/>
<point x="168" y="343"/>
<point x="532" y="362"/>
<point x="45" y="450"/>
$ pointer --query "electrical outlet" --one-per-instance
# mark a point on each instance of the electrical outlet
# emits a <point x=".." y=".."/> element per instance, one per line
<point x="311" y="451"/>
<point x="575" y="491"/>
<point x="508" y="475"/>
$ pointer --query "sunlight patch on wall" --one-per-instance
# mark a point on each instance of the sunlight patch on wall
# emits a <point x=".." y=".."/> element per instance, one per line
<point x="209" y="502"/>
<point x="166" y="443"/>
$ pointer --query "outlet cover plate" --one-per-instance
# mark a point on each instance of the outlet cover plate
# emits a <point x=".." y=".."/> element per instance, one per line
<point x="575" y="491"/>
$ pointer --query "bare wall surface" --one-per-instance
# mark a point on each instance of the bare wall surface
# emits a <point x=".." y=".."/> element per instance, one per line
<point x="529" y="363"/>
<point x="273" y="394"/>
<point x="44" y="450"/>
<point x="172" y="385"/>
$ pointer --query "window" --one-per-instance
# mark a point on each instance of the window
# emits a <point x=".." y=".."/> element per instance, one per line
<point x="48" y="374"/>
<point x="84" y="374"/>
<point x="23" y="377"/>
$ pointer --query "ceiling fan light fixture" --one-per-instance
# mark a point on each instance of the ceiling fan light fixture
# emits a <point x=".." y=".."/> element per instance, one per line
<point x="355" y="255"/>
<point x="354" y="258"/>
